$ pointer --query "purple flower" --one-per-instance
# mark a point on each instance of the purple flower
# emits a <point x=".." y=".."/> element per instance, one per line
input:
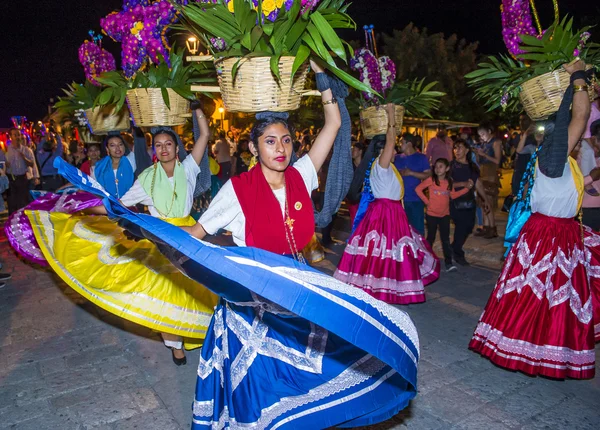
<point x="139" y="26"/>
<point x="516" y="20"/>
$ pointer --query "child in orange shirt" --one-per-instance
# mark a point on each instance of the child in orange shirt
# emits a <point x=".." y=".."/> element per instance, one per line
<point x="438" y="205"/>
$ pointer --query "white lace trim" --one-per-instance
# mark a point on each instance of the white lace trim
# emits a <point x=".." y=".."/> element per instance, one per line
<point x="254" y="341"/>
<point x="531" y="273"/>
<point x="414" y="243"/>
<point x="316" y="279"/>
<point x="558" y="357"/>
<point x="382" y="285"/>
<point x="358" y="373"/>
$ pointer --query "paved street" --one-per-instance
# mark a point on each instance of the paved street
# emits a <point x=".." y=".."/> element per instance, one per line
<point x="66" y="364"/>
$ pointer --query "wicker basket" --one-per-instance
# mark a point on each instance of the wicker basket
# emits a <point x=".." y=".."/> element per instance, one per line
<point x="105" y="119"/>
<point x="255" y="89"/>
<point x="541" y="96"/>
<point x="86" y="136"/>
<point x="148" y="108"/>
<point x="373" y="120"/>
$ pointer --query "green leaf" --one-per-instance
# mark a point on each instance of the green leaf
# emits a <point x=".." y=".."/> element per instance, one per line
<point x="317" y="44"/>
<point x="274" y="63"/>
<point x="295" y="33"/>
<point x="301" y="56"/>
<point x="329" y="35"/>
<point x="255" y="36"/>
<point x="165" y="96"/>
<point x="267" y="28"/>
<point x="105" y="96"/>
<point x="530" y="40"/>
<point x="246" y="41"/>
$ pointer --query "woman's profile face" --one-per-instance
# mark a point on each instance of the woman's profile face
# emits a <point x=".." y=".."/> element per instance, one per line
<point x="274" y="147"/>
<point x="460" y="151"/>
<point x="484" y="135"/>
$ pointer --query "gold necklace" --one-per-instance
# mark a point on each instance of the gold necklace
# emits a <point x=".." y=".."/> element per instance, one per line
<point x="172" y="199"/>
<point x="288" y="224"/>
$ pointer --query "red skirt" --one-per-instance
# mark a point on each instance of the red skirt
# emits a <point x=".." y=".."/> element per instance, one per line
<point x="592" y="249"/>
<point x="387" y="258"/>
<point x="539" y="318"/>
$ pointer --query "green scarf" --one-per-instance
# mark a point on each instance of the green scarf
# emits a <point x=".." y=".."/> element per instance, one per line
<point x="155" y="182"/>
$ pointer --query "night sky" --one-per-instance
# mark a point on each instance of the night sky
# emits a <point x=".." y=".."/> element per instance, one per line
<point x="40" y="39"/>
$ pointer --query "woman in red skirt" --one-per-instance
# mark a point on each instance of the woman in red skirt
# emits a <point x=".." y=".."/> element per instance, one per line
<point x="385" y="256"/>
<point x="539" y="318"/>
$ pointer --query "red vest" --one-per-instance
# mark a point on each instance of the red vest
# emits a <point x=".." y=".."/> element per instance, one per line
<point x="265" y="228"/>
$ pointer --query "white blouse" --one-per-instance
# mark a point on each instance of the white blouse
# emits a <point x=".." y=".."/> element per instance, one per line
<point x="226" y="213"/>
<point x="384" y="183"/>
<point x="555" y="197"/>
<point x="137" y="194"/>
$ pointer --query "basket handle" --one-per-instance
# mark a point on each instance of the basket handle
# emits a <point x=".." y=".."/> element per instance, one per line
<point x="537" y="18"/>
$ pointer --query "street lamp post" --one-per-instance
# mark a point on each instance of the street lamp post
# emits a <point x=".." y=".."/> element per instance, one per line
<point x="192" y="45"/>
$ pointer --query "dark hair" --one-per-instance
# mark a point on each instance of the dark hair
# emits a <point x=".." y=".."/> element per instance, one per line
<point x="222" y="134"/>
<point x="165" y="130"/>
<point x="109" y="136"/>
<point x="266" y="119"/>
<point x="486" y="125"/>
<point x="411" y="138"/>
<point x="372" y="151"/>
<point x="13" y="128"/>
<point x="445" y="162"/>
<point x="469" y="157"/>
<point x="73" y="146"/>
<point x="595" y="128"/>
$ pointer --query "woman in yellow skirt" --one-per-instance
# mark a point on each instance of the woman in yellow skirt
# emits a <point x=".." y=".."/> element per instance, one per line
<point x="129" y="278"/>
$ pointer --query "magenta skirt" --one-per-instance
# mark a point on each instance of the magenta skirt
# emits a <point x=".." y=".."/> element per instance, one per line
<point x="387" y="258"/>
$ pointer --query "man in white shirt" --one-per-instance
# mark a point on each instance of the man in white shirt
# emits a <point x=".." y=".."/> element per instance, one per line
<point x="19" y="161"/>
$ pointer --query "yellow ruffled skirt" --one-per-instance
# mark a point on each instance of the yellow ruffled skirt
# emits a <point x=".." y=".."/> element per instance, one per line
<point x="130" y="279"/>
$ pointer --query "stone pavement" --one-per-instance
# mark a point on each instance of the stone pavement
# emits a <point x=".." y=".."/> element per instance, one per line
<point x="66" y="364"/>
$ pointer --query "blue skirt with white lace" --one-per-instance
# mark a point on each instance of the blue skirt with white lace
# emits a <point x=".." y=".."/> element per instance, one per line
<point x="287" y="347"/>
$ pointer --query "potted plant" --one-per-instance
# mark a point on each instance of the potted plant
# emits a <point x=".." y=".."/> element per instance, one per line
<point x="158" y="94"/>
<point x="79" y="101"/>
<point x="414" y="98"/>
<point x="261" y="47"/>
<point x="534" y="77"/>
<point x="80" y="98"/>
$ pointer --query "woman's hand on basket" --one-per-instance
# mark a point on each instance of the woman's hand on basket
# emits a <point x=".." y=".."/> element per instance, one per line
<point x="315" y="67"/>
<point x="574" y="66"/>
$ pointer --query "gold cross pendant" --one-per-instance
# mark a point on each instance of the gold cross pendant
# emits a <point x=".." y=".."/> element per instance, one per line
<point x="290" y="223"/>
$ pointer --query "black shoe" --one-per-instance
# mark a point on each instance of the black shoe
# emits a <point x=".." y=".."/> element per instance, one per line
<point x="450" y="267"/>
<point x="178" y="361"/>
<point x="462" y="261"/>
<point x="2" y="285"/>
<point x="5" y="276"/>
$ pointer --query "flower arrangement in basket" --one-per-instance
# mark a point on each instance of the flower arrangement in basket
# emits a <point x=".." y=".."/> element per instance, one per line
<point x="159" y="94"/>
<point x="261" y="47"/>
<point x="154" y="82"/>
<point x="534" y="77"/>
<point x="414" y="98"/>
<point x="80" y="99"/>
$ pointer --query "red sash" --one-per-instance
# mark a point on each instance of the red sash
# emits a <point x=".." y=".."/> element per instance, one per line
<point x="265" y="228"/>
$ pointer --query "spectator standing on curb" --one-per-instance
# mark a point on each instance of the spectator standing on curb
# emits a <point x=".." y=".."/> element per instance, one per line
<point x="414" y="168"/>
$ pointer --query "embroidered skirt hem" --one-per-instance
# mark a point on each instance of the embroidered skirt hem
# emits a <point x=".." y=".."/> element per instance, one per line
<point x="387" y="258"/>
<point x="538" y="319"/>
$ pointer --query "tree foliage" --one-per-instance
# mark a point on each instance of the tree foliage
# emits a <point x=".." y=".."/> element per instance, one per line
<point x="418" y="55"/>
